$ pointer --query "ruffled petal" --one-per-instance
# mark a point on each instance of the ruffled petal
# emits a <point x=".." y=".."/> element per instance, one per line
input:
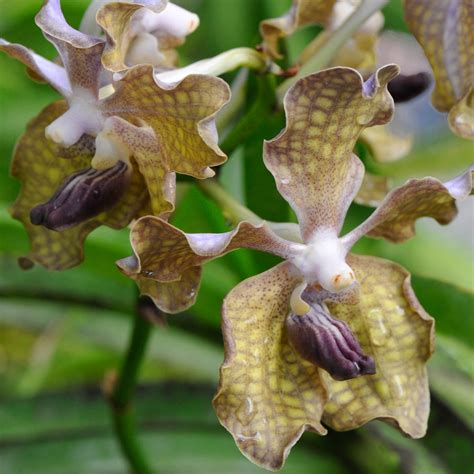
<point x="392" y="327"/>
<point x="138" y="35"/>
<point x="55" y="75"/>
<point x="182" y="116"/>
<point x="172" y="297"/>
<point x="312" y="159"/>
<point x="163" y="253"/>
<point x="301" y="13"/>
<point x="80" y="53"/>
<point x="445" y="31"/>
<point x="41" y="168"/>
<point x="268" y="395"/>
<point x="395" y="218"/>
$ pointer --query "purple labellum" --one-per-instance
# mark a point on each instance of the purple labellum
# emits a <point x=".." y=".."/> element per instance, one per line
<point x="328" y="343"/>
<point x="406" y="87"/>
<point x="83" y="195"/>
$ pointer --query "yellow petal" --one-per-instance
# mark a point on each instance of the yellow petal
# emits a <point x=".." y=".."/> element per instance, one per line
<point x="373" y="190"/>
<point x="445" y="30"/>
<point x="392" y="327"/>
<point x="182" y="116"/>
<point x="461" y="116"/>
<point x="268" y="396"/>
<point x="38" y="164"/>
<point x="312" y="159"/>
<point x="384" y="145"/>
<point x="302" y="12"/>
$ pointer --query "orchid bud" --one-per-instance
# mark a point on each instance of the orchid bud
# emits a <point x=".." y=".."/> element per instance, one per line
<point x="83" y="195"/>
<point x="328" y="343"/>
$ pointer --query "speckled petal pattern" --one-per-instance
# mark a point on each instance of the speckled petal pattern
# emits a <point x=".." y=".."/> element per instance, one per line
<point x="396" y="216"/>
<point x="38" y="164"/>
<point x="80" y="53"/>
<point x="393" y="328"/>
<point x="181" y="116"/>
<point x="267" y="396"/>
<point x="301" y="13"/>
<point x="311" y="159"/>
<point x="163" y="253"/>
<point x="445" y="30"/>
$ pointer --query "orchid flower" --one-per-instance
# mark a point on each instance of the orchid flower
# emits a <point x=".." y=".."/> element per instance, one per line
<point x="144" y="32"/>
<point x="325" y="335"/>
<point x="445" y="31"/>
<point x="122" y="147"/>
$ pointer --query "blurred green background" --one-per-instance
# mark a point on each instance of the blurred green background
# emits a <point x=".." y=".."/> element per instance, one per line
<point x="62" y="334"/>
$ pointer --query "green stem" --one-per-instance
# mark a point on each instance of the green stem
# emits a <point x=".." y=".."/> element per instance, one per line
<point x="333" y="42"/>
<point x="122" y="396"/>
<point x="257" y="113"/>
<point x="231" y="208"/>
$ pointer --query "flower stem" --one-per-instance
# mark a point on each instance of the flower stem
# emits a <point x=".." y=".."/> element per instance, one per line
<point x="230" y="207"/>
<point x="333" y="42"/>
<point x="122" y="396"/>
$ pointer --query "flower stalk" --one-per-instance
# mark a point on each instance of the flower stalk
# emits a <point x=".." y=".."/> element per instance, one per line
<point x="121" y="399"/>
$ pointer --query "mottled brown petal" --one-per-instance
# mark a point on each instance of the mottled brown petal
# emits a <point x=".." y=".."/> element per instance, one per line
<point x="163" y="253"/>
<point x="182" y="116"/>
<point x="392" y="327"/>
<point x="395" y="218"/>
<point x="301" y="13"/>
<point x="267" y="396"/>
<point x="312" y="159"/>
<point x="172" y="297"/>
<point x="80" y="53"/>
<point x="56" y="76"/>
<point x="37" y="164"/>
<point x="445" y="30"/>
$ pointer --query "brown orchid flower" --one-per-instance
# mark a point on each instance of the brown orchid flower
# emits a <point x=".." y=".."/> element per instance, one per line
<point x="325" y="336"/>
<point x="105" y="154"/>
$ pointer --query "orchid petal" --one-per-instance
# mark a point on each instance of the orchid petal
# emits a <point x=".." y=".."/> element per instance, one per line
<point x="182" y="116"/>
<point x="395" y="218"/>
<point x="393" y="328"/>
<point x="301" y="13"/>
<point x="312" y="159"/>
<point x="445" y="30"/>
<point x="55" y="75"/>
<point x="268" y="395"/>
<point x="80" y="53"/>
<point x="163" y="252"/>
<point x="373" y="190"/>
<point x="384" y="145"/>
<point x="38" y="164"/>
<point x="139" y="35"/>
<point x="175" y="296"/>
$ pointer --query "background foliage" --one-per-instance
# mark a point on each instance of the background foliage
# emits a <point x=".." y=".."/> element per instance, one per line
<point x="61" y="335"/>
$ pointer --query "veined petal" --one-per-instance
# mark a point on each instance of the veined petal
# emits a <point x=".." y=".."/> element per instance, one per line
<point x="312" y="159"/>
<point x="302" y="12"/>
<point x="55" y="75"/>
<point x="175" y="296"/>
<point x="268" y="395"/>
<point x="395" y="218"/>
<point x="445" y="30"/>
<point x="163" y="253"/>
<point x="80" y="53"/>
<point x="393" y="328"/>
<point x="38" y="164"/>
<point x="182" y="116"/>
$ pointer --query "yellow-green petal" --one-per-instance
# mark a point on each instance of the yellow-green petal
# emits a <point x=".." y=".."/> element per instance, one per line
<point x="267" y="396"/>
<point x="311" y="159"/>
<point x="392" y="327"/>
